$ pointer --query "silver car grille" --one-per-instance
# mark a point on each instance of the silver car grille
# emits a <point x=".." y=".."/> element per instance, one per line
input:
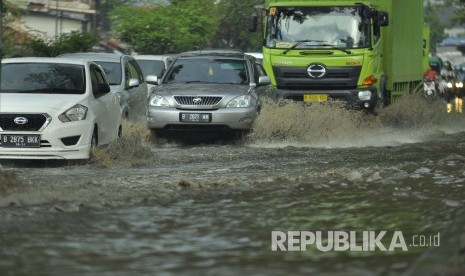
<point x="197" y="100"/>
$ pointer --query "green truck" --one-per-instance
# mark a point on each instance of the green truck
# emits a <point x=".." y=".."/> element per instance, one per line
<point x="363" y="52"/>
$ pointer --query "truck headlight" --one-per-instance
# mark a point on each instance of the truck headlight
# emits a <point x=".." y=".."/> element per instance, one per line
<point x="75" y="113"/>
<point x="241" y="101"/>
<point x="364" y="95"/>
<point x="157" y="100"/>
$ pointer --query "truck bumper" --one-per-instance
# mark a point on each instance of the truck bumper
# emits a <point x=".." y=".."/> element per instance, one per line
<point x="360" y="98"/>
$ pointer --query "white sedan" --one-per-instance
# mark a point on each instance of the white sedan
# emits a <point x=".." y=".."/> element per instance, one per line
<point x="55" y="108"/>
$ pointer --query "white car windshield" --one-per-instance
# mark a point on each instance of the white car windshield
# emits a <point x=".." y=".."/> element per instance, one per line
<point x="47" y="78"/>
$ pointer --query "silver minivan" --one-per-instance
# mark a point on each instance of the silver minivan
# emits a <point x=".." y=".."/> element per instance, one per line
<point x="125" y="78"/>
<point x="153" y="65"/>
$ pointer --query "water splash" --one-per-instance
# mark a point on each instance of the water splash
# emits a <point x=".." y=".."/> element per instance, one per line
<point x="132" y="147"/>
<point x="411" y="119"/>
<point x="8" y="181"/>
<point x="290" y="121"/>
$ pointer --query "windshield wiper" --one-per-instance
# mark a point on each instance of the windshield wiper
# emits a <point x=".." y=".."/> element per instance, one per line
<point x="337" y="48"/>
<point x="298" y="42"/>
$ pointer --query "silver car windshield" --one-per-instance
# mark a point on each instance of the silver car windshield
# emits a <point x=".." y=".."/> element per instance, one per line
<point x="208" y="70"/>
<point x="47" y="78"/>
<point x="152" y="67"/>
<point x="318" y="27"/>
<point x="113" y="71"/>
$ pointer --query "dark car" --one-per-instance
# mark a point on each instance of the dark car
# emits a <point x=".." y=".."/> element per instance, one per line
<point x="207" y="90"/>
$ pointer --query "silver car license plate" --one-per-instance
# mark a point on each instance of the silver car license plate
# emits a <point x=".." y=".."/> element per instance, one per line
<point x="195" y="117"/>
<point x="20" y="141"/>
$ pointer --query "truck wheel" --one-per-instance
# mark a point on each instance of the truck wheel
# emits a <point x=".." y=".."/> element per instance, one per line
<point x="383" y="99"/>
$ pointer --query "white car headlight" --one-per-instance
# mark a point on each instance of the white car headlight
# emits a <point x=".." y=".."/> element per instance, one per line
<point x="157" y="100"/>
<point x="75" y="113"/>
<point x="241" y="101"/>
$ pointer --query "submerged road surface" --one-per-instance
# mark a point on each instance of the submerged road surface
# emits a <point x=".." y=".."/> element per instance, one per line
<point x="351" y="194"/>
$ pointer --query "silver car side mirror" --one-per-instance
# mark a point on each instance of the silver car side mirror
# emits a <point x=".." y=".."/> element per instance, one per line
<point x="151" y="79"/>
<point x="264" y="80"/>
<point x="133" y="83"/>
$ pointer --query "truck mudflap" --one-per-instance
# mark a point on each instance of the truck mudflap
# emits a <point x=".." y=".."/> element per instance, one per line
<point x="360" y="98"/>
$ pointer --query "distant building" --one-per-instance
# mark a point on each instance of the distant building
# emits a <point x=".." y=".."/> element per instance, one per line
<point x="52" y="18"/>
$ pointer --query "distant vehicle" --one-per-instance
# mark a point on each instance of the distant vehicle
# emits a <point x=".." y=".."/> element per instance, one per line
<point x="153" y="65"/>
<point x="55" y="108"/>
<point x="207" y="90"/>
<point x="429" y="88"/>
<point x="436" y="63"/>
<point x="125" y="78"/>
<point x="258" y="56"/>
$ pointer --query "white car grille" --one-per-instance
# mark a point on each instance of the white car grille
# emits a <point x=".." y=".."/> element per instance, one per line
<point x="23" y="122"/>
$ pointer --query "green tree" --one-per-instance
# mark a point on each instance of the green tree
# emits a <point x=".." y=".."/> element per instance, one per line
<point x="9" y="14"/>
<point x="183" y="25"/>
<point x="234" y="25"/>
<point x="431" y="14"/>
<point x="65" y="43"/>
<point x="459" y="11"/>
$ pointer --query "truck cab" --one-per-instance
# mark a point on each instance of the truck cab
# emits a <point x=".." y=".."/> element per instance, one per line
<point x="331" y="50"/>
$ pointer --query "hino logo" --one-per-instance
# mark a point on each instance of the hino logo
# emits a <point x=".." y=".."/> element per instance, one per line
<point x="197" y="100"/>
<point x="20" y="120"/>
<point x="316" y="71"/>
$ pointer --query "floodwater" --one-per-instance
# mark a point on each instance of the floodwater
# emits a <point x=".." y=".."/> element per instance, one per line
<point x="146" y="207"/>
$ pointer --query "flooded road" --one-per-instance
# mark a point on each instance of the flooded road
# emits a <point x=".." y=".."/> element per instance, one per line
<point x="144" y="208"/>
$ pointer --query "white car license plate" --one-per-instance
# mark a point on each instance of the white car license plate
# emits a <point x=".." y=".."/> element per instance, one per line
<point x="20" y="141"/>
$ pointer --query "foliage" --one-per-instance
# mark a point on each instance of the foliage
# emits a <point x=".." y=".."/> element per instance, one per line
<point x="187" y="25"/>
<point x="234" y="21"/>
<point x="181" y="26"/>
<point x="75" y="41"/>
<point x="9" y="14"/>
<point x="459" y="11"/>
<point x="431" y="15"/>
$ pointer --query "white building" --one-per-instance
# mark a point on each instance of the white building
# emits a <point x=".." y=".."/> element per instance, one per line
<point x="52" y="18"/>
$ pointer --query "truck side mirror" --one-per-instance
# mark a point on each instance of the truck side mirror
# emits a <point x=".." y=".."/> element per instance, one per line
<point x="382" y="18"/>
<point x="253" y="21"/>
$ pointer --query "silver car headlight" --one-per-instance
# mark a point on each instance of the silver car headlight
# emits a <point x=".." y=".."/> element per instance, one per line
<point x="75" y="113"/>
<point x="241" y="101"/>
<point x="157" y="100"/>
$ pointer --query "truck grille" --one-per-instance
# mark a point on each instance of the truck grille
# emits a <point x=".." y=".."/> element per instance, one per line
<point x="336" y="78"/>
<point x="197" y="100"/>
<point x="33" y="122"/>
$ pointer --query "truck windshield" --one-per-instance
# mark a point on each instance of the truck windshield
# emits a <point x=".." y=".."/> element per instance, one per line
<point x="318" y="28"/>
